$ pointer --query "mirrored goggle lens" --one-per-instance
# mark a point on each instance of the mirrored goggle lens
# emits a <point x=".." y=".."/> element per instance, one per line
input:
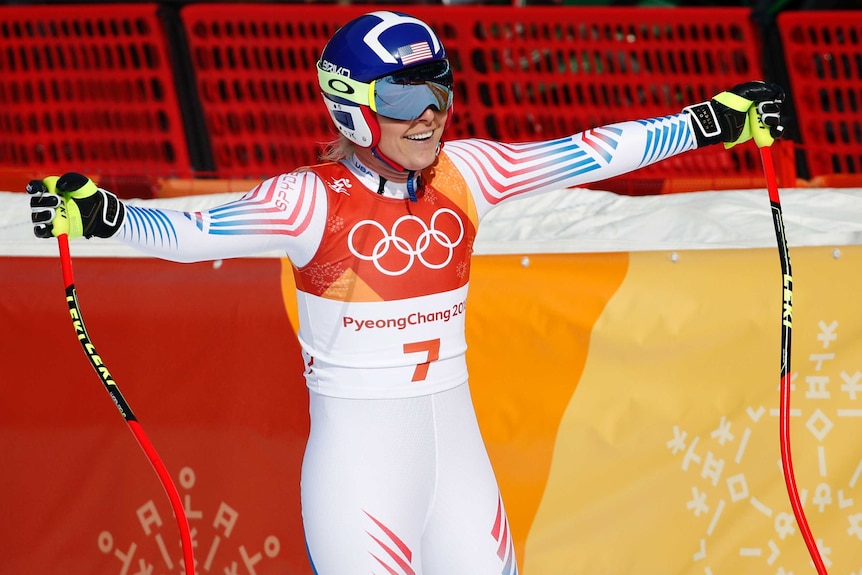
<point x="401" y="101"/>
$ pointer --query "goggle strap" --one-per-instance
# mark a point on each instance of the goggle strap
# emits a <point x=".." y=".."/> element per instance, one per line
<point x="356" y="92"/>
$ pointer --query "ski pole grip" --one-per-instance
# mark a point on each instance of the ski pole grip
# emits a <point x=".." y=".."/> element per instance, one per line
<point x="759" y="132"/>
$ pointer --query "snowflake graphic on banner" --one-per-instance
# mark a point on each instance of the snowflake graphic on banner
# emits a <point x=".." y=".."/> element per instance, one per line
<point x="715" y="461"/>
<point x="212" y="550"/>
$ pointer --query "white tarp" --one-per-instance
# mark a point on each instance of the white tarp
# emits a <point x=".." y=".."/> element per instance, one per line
<point x="572" y="220"/>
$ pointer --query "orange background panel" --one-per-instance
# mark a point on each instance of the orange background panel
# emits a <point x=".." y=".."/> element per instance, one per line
<point x="529" y="321"/>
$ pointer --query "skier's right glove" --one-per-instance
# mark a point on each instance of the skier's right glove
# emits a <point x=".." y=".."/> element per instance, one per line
<point x="72" y="204"/>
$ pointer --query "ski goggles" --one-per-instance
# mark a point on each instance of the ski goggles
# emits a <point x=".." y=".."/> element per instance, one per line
<point x="400" y="96"/>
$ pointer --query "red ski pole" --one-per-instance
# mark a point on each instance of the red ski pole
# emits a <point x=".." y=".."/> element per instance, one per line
<point x="123" y="406"/>
<point x="764" y="143"/>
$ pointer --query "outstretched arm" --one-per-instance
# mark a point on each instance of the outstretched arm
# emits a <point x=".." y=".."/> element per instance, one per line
<point x="496" y="171"/>
<point x="285" y="213"/>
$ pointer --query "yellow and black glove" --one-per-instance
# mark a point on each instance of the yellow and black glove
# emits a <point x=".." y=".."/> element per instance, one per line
<point x="73" y="204"/>
<point x="735" y="116"/>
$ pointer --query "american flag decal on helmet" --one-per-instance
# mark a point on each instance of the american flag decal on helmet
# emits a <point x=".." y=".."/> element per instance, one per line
<point x="414" y="52"/>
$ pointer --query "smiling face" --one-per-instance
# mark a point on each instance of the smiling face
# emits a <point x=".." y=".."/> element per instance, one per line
<point x="412" y="144"/>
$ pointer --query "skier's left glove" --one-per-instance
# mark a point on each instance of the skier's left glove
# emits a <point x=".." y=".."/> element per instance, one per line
<point x="748" y="110"/>
<point x="72" y="204"/>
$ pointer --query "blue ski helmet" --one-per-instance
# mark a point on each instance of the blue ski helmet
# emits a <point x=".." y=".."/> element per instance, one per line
<point x="384" y="62"/>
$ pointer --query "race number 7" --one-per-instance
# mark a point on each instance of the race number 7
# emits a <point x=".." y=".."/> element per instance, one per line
<point x="431" y="347"/>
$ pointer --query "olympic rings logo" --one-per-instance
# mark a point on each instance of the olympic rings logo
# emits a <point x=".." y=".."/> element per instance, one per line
<point x="391" y="240"/>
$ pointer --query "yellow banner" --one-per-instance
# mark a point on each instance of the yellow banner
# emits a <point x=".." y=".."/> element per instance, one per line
<point x="630" y="406"/>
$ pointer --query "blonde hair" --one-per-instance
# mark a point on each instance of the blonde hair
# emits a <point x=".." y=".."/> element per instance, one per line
<point x="337" y="149"/>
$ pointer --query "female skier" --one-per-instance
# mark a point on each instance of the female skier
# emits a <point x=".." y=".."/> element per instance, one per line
<point x="395" y="477"/>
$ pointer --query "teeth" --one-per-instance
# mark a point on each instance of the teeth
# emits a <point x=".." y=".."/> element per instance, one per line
<point x="424" y="136"/>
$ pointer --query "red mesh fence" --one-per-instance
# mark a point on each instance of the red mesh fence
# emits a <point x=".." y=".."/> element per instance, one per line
<point x="88" y="88"/>
<point x="823" y="51"/>
<point x="255" y="74"/>
<point x="522" y="74"/>
<point x="91" y="87"/>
